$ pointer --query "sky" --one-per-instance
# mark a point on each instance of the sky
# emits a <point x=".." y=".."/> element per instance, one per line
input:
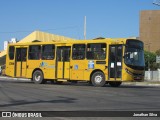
<point x="105" y="18"/>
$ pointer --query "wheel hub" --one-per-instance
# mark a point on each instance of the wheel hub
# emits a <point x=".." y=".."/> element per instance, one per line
<point x="37" y="77"/>
<point x="98" y="78"/>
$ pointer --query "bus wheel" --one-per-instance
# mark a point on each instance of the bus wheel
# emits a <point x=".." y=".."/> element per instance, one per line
<point x="115" y="84"/>
<point x="38" y="77"/>
<point x="98" y="79"/>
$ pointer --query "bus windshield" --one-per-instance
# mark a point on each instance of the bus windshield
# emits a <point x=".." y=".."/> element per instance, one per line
<point x="134" y="54"/>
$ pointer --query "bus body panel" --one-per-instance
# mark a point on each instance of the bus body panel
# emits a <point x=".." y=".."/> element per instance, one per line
<point x="78" y="67"/>
<point x="82" y="69"/>
<point x="31" y="65"/>
<point x="18" y="69"/>
<point x="129" y="74"/>
<point x="47" y="67"/>
<point x="24" y="70"/>
<point x="67" y="70"/>
<point x="9" y="67"/>
<point x="60" y="70"/>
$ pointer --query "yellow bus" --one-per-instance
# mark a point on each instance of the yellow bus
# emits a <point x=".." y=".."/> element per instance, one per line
<point x="99" y="61"/>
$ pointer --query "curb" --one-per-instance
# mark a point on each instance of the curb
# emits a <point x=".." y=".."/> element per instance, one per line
<point x="17" y="79"/>
<point x="142" y="83"/>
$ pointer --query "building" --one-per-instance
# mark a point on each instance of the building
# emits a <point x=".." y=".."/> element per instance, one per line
<point x="5" y="45"/>
<point x="150" y="29"/>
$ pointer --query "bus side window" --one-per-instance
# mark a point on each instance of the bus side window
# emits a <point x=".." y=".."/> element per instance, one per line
<point x="34" y="52"/>
<point x="11" y="52"/>
<point x="78" y="51"/>
<point x="96" y="51"/>
<point x="48" y="52"/>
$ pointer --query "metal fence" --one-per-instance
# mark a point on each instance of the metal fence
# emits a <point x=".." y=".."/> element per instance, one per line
<point x="152" y="75"/>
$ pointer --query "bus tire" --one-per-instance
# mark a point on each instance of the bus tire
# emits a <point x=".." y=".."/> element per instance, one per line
<point x="98" y="79"/>
<point x="115" y="84"/>
<point x="38" y="77"/>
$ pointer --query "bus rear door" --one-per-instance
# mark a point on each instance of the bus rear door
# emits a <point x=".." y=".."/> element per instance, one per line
<point x="115" y="62"/>
<point x="63" y="62"/>
<point x="20" y="62"/>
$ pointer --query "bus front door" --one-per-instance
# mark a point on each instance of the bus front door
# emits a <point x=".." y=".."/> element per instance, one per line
<point x="63" y="62"/>
<point x="115" y="62"/>
<point x="20" y="62"/>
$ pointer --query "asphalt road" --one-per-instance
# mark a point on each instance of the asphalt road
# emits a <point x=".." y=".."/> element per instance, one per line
<point x="27" y="96"/>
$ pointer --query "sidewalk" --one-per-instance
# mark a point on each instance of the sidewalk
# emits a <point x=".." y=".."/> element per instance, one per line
<point x="15" y="79"/>
<point x="145" y="83"/>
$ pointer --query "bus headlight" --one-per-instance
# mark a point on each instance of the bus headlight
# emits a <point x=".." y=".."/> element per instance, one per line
<point x="128" y="71"/>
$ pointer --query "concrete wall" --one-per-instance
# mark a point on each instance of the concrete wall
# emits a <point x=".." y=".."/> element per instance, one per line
<point x="152" y="75"/>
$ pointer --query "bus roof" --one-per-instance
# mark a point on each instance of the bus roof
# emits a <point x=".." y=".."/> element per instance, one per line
<point x="106" y="40"/>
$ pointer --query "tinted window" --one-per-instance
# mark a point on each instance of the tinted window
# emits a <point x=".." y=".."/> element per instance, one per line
<point x="23" y="54"/>
<point x="96" y="51"/>
<point x="35" y="52"/>
<point x="63" y="53"/>
<point x="48" y="52"/>
<point x="134" y="43"/>
<point x="66" y="53"/>
<point x="18" y="54"/>
<point x="78" y="52"/>
<point x="11" y="52"/>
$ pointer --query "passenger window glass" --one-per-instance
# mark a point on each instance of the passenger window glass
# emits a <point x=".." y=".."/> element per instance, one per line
<point x="18" y="54"/>
<point x="63" y="54"/>
<point x="11" y="52"/>
<point x="96" y="51"/>
<point x="78" y="52"/>
<point x="48" y="52"/>
<point x="23" y="54"/>
<point x="35" y="52"/>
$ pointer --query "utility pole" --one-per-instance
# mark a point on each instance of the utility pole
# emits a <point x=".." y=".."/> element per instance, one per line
<point x="85" y="27"/>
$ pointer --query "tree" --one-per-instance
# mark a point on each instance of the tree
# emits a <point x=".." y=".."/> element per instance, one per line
<point x="158" y="52"/>
<point x="150" y="59"/>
